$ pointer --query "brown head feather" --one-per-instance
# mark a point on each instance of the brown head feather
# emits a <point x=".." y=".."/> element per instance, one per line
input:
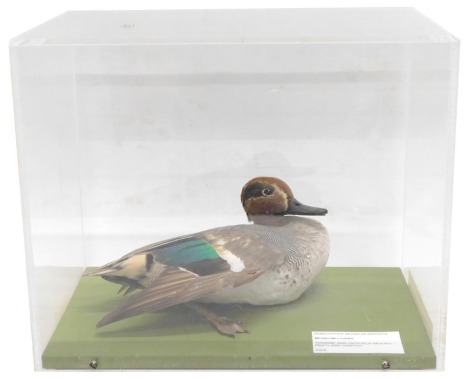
<point x="265" y="196"/>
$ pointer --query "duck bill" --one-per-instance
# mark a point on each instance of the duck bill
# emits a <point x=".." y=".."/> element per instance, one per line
<point x="295" y="207"/>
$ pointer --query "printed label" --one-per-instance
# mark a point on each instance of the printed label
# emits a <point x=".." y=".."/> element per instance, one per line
<point x="357" y="343"/>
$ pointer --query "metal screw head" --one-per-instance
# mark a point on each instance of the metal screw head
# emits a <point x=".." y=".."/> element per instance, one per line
<point x="385" y="365"/>
<point x="94" y="364"/>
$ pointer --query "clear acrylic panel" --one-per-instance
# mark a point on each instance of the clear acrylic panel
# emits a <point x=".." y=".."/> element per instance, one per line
<point x="135" y="127"/>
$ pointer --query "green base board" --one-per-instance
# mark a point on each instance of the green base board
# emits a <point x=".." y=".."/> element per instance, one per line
<point x="341" y="299"/>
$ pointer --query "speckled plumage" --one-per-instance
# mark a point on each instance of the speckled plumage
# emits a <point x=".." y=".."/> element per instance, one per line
<point x="293" y="253"/>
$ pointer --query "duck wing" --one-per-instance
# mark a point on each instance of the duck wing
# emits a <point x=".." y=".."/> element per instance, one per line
<point x="187" y="268"/>
<point x="140" y="268"/>
<point x="176" y="287"/>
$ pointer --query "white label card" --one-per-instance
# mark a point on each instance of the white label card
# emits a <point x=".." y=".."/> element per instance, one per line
<point x="357" y="343"/>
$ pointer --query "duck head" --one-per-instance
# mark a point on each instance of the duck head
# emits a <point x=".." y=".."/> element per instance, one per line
<point x="267" y="196"/>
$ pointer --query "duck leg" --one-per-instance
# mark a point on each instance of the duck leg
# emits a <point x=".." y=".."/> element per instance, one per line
<point x="223" y="324"/>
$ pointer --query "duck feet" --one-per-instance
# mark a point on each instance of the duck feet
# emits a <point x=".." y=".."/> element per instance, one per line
<point x="223" y="324"/>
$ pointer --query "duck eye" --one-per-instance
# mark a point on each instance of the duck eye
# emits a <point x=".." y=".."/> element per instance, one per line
<point x="266" y="191"/>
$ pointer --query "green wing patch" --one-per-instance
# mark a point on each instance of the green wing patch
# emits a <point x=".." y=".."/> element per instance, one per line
<point x="183" y="252"/>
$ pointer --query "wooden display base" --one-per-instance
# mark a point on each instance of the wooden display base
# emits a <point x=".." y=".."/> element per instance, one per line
<point x="341" y="299"/>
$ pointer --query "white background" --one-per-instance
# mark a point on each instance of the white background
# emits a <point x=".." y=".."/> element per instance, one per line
<point x="15" y="337"/>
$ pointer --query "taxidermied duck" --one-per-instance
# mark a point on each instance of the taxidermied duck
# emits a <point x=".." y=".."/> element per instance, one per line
<point x="271" y="261"/>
